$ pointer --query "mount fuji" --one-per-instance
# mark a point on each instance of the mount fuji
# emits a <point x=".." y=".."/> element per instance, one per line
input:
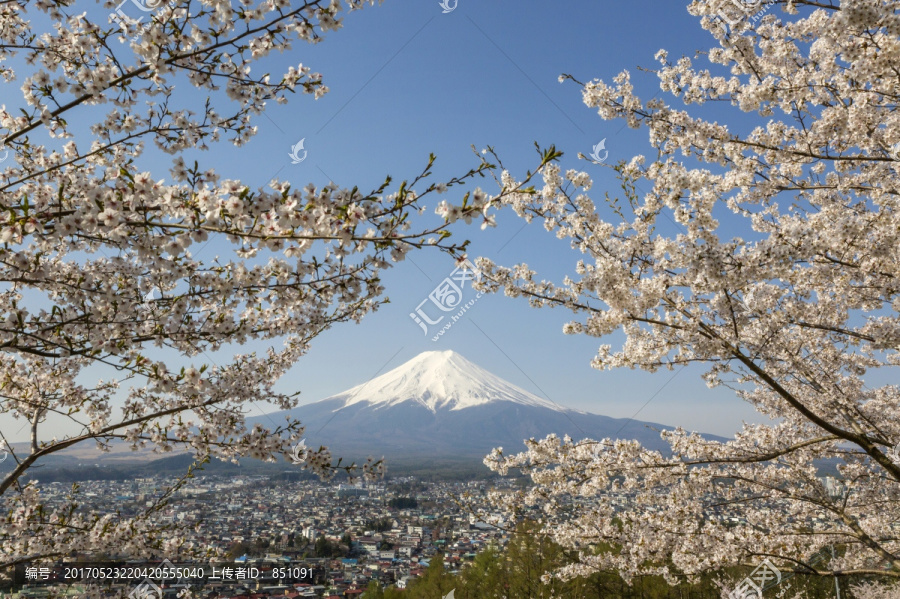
<point x="440" y="404"/>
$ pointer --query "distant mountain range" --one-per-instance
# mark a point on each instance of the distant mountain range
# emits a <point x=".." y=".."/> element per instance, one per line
<point x="440" y="404"/>
<point x="438" y="414"/>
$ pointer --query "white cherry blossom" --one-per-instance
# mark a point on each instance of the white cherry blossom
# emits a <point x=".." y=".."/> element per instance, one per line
<point x="105" y="266"/>
<point x="772" y="257"/>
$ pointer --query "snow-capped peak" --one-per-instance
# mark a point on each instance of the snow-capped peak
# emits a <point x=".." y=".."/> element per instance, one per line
<point x="440" y="380"/>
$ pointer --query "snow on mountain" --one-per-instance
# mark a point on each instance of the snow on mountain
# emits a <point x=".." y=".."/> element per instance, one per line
<point x="439" y="380"/>
<point x="440" y="405"/>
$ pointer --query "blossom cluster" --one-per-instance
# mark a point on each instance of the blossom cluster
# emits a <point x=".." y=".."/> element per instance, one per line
<point x="106" y="268"/>
<point x="772" y="257"/>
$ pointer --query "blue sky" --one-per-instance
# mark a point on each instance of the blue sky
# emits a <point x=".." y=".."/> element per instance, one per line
<point x="407" y="80"/>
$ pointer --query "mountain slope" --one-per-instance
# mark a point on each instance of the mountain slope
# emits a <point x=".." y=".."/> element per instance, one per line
<point x="440" y="404"/>
<point x="440" y="380"/>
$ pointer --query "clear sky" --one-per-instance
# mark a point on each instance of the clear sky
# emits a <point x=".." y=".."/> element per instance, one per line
<point x="406" y="80"/>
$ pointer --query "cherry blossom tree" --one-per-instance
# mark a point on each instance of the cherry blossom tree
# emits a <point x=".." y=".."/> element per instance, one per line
<point x="110" y="305"/>
<point x="769" y="253"/>
<point x="871" y="590"/>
